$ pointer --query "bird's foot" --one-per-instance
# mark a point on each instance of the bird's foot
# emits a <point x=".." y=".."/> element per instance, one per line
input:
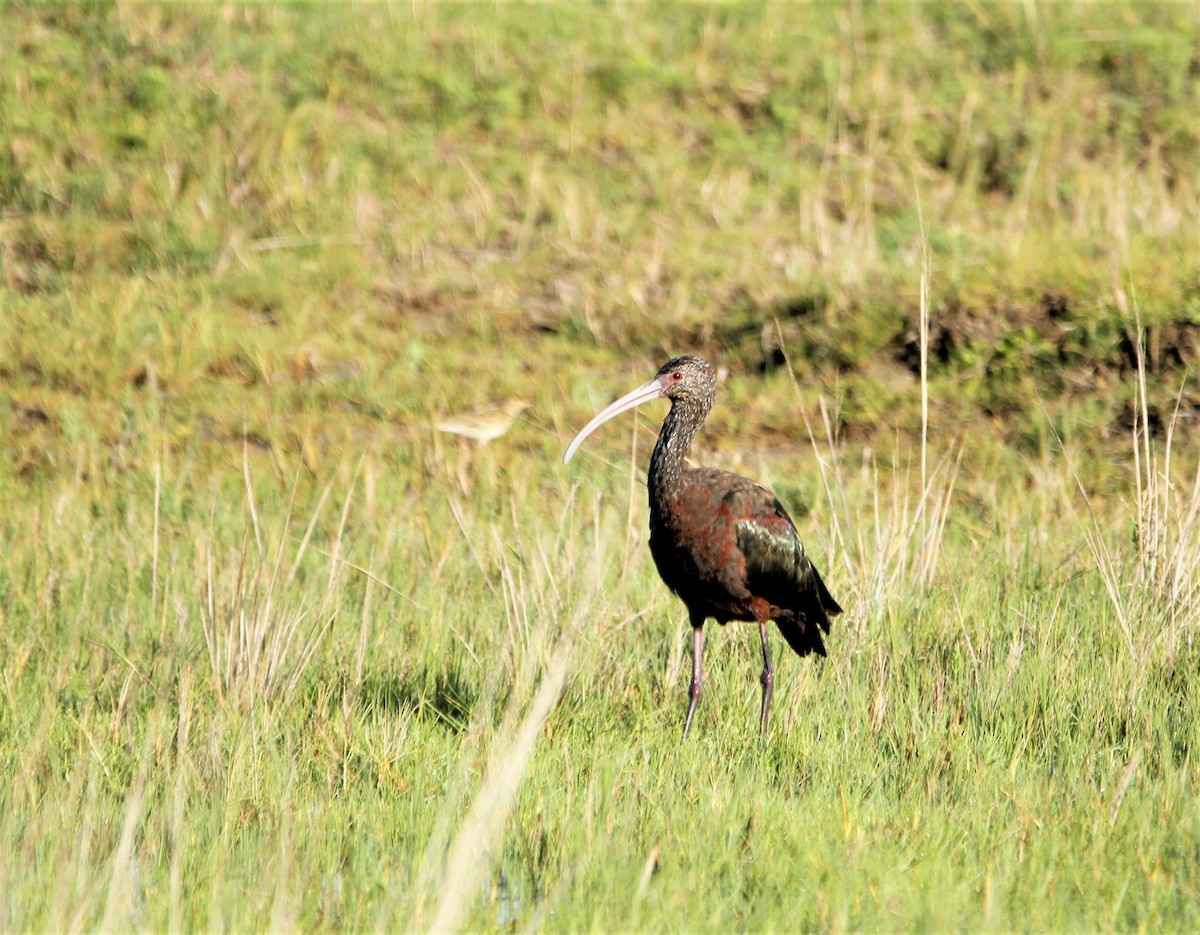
<point x="768" y="686"/>
<point x="693" y="697"/>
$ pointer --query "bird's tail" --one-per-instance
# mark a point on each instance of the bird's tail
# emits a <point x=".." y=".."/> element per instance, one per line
<point x="829" y="607"/>
<point x="802" y="629"/>
<point x="800" y="634"/>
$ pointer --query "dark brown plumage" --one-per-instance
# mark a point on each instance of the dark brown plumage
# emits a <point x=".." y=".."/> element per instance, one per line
<point x="723" y="544"/>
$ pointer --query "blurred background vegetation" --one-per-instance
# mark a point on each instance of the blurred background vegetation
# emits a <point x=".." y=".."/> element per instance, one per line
<point x="292" y="222"/>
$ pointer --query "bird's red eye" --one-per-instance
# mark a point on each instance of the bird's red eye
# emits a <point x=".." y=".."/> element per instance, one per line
<point x="676" y="376"/>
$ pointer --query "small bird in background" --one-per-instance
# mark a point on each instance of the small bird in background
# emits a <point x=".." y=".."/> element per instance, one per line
<point x="482" y="426"/>
<point x="485" y="424"/>
<point x="723" y="544"/>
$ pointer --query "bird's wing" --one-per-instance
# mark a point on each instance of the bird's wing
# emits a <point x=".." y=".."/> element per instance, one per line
<point x="772" y="548"/>
<point x="776" y="565"/>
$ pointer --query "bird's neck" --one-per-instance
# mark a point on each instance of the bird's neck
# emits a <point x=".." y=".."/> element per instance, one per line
<point x="667" y="462"/>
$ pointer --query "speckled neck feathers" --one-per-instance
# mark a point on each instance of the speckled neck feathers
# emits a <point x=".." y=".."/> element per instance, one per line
<point x="667" y="463"/>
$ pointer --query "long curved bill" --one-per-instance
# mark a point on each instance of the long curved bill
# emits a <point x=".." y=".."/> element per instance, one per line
<point x="643" y="394"/>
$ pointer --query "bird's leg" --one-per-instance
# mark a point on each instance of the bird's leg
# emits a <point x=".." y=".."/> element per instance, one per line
<point x="463" y="469"/>
<point x="697" y="680"/>
<point x="768" y="677"/>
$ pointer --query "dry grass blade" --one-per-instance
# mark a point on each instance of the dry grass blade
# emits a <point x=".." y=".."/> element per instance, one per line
<point x="456" y="509"/>
<point x="124" y="887"/>
<point x="475" y="844"/>
<point x="261" y="630"/>
<point x="1160" y="582"/>
<point x="904" y="544"/>
<point x="1110" y="572"/>
<point x="1168" y="542"/>
<point x="1127" y="775"/>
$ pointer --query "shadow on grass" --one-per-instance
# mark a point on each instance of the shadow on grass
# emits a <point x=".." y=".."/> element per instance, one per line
<point x="445" y="695"/>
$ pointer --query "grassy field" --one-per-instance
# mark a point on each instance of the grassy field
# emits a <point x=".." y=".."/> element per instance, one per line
<point x="277" y="654"/>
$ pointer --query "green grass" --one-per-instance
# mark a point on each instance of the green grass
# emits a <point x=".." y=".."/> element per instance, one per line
<point x="275" y="654"/>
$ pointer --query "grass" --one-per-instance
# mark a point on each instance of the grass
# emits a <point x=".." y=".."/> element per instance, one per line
<point x="275" y="654"/>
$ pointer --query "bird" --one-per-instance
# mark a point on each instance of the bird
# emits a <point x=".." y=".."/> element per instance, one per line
<point x="486" y="424"/>
<point x="481" y="426"/>
<point x="723" y="544"/>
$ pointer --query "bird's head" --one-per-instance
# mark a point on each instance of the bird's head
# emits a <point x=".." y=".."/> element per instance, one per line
<point x="683" y="380"/>
<point x="687" y="378"/>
